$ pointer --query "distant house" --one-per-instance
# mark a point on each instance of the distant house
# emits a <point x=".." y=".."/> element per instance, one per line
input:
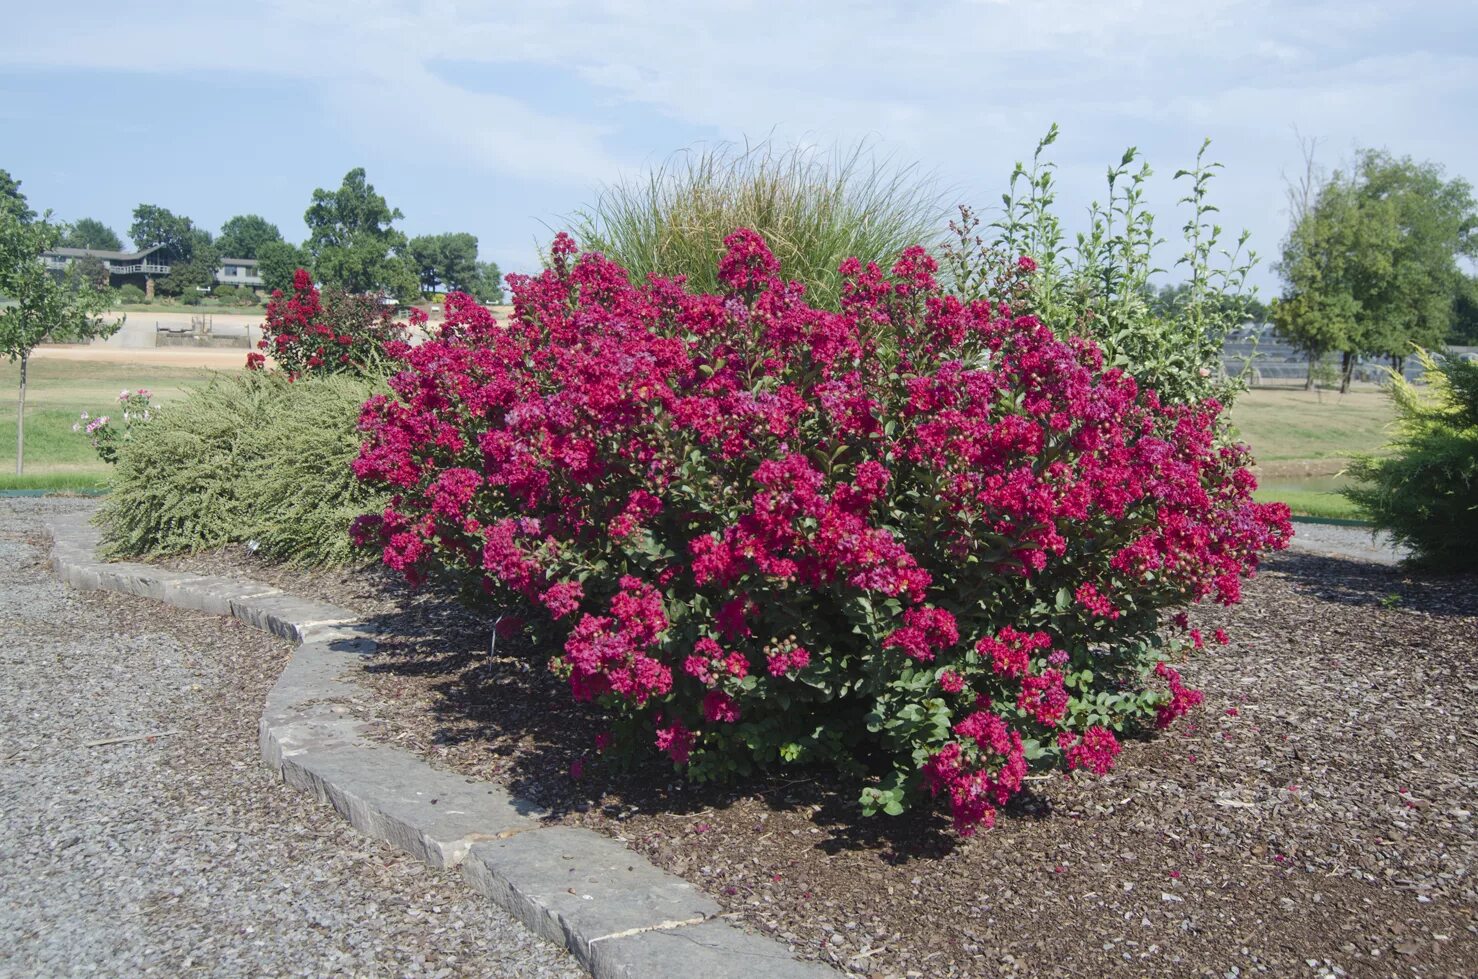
<point x="140" y="268"/>
<point x="239" y="272"/>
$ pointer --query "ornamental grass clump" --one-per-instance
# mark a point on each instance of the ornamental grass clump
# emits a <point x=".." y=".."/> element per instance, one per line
<point x="813" y="213"/>
<point x="920" y="540"/>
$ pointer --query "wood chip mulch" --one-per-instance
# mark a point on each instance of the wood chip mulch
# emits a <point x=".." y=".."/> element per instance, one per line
<point x="1315" y="816"/>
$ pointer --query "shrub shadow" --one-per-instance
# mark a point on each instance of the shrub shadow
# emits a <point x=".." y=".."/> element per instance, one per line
<point x="1348" y="581"/>
<point x="506" y="717"/>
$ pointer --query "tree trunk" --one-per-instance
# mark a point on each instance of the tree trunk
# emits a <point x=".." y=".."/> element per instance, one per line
<point x="1313" y="361"/>
<point x="1347" y="367"/>
<point x="20" y="417"/>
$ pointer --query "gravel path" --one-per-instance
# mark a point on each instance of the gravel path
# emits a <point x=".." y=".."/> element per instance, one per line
<point x="1333" y="540"/>
<point x="181" y="854"/>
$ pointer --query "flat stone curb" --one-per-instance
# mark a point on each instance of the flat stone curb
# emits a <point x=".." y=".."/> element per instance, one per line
<point x="617" y="913"/>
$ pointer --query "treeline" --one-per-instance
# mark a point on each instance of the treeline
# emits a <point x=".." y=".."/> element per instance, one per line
<point x="352" y="244"/>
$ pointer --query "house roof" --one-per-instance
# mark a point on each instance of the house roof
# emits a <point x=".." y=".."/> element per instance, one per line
<point x="113" y="256"/>
<point x="103" y="253"/>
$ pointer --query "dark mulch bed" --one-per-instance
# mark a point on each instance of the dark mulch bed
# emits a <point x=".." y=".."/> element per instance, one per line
<point x="1315" y="816"/>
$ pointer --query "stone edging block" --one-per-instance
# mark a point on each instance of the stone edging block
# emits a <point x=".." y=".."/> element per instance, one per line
<point x="617" y="913"/>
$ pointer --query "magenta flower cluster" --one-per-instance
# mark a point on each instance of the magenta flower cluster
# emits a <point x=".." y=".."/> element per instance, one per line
<point x="917" y="531"/>
<point x="308" y="333"/>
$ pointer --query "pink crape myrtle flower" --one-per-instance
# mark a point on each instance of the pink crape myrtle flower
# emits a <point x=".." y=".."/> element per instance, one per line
<point x="921" y="526"/>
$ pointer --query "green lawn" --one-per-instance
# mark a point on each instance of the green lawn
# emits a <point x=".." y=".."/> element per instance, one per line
<point x="1297" y="426"/>
<point x="1293" y="432"/>
<point x="1311" y="503"/>
<point x="204" y="307"/>
<point x="57" y="393"/>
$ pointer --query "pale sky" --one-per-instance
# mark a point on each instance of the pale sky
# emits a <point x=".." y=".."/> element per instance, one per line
<point x="501" y="118"/>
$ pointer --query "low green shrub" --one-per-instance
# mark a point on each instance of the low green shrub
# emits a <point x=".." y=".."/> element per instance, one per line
<point x="130" y="293"/>
<point x="298" y="471"/>
<point x="226" y="293"/>
<point x="1425" y="494"/>
<point x="247" y="457"/>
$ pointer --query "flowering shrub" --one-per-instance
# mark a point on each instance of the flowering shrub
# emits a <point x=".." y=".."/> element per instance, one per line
<point x="135" y="409"/>
<point x="333" y="333"/>
<point x="919" y="539"/>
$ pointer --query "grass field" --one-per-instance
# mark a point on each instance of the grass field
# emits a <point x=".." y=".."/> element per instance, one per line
<point x="1310" y="503"/>
<point x="1299" y="426"/>
<point x="1302" y="439"/>
<point x="204" y="307"/>
<point x="57" y="392"/>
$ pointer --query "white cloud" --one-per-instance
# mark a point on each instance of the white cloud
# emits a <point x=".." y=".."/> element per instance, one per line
<point x="964" y="87"/>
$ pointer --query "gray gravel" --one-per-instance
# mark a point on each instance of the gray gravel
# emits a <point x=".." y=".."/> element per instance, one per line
<point x="1354" y="542"/>
<point x="181" y="854"/>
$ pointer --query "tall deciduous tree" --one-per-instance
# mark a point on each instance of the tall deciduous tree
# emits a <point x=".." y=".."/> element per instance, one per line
<point x="244" y="235"/>
<point x="353" y="241"/>
<point x="154" y="225"/>
<point x="195" y="270"/>
<point x="91" y="233"/>
<point x="43" y="306"/>
<point x="277" y="261"/>
<point x="1316" y="313"/>
<point x="447" y="260"/>
<point x="11" y="197"/>
<point x="1464" y="330"/>
<point x="488" y="286"/>
<point x="1370" y="264"/>
<point x="1428" y="221"/>
<point x="190" y="251"/>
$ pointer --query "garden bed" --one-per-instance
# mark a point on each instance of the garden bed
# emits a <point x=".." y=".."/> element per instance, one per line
<point x="1315" y="813"/>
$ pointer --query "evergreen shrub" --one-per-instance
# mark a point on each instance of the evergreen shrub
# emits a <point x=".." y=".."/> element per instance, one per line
<point x="1425" y="493"/>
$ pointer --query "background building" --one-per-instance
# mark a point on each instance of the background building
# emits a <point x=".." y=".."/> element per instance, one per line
<point x="141" y="268"/>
